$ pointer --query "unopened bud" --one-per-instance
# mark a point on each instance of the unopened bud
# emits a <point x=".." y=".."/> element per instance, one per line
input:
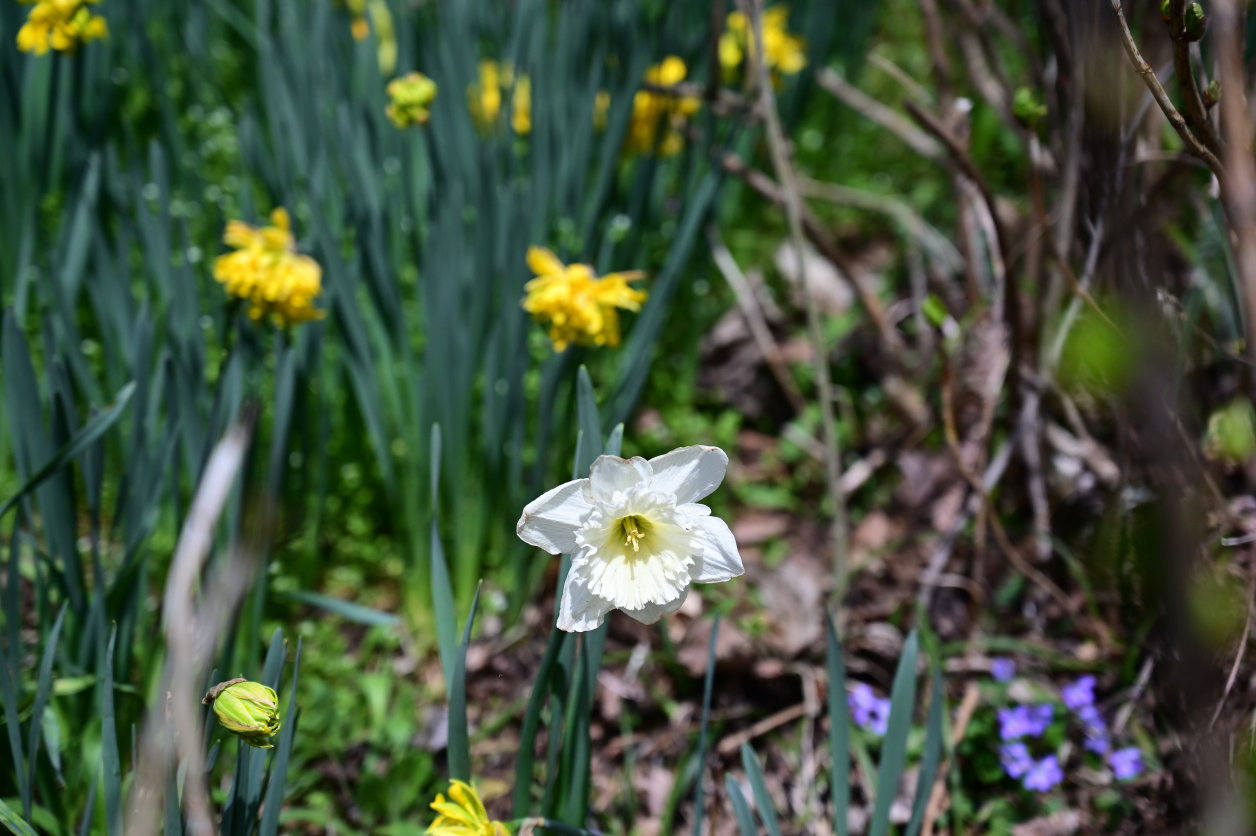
<point x="247" y="709"/>
<point x="1195" y="22"/>
<point x="1164" y="10"/>
<point x="1212" y="95"/>
<point x="1027" y="109"/>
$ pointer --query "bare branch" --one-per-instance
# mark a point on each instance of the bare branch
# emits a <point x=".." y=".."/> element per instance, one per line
<point x="884" y="116"/>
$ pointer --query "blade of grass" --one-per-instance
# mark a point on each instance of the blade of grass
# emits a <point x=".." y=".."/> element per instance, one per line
<point x="109" y="745"/>
<point x="442" y="590"/>
<point x="932" y="755"/>
<point x="706" y="717"/>
<point x="526" y="756"/>
<point x="759" y="786"/>
<point x="77" y="443"/>
<point x="283" y="754"/>
<point x="459" y="740"/>
<point x="10" y="819"/>
<point x="42" y="690"/>
<point x="839" y="731"/>
<point x="741" y="808"/>
<point x="347" y="610"/>
<point x="894" y="745"/>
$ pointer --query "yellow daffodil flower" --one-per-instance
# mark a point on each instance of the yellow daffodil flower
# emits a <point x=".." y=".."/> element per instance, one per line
<point x="652" y="109"/>
<point x="579" y="307"/>
<point x="785" y="53"/>
<point x="374" y="14"/>
<point x="267" y="272"/>
<point x="62" y="25"/>
<point x="463" y="814"/>
<point x="409" y="99"/>
<point x="484" y="98"/>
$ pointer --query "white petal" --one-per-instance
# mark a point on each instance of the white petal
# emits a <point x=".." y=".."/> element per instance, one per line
<point x="611" y="473"/>
<point x="581" y="610"/>
<point x="651" y="613"/>
<point x="550" y="521"/>
<point x="720" y="559"/>
<point x="689" y="472"/>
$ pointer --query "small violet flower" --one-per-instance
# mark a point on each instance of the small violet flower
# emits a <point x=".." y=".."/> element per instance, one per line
<point x="1080" y="694"/>
<point x="1126" y="763"/>
<point x="869" y="711"/>
<point x="1096" y="729"/>
<point x="1024" y="721"/>
<point x="1002" y="669"/>
<point x="1044" y="774"/>
<point x="1015" y="759"/>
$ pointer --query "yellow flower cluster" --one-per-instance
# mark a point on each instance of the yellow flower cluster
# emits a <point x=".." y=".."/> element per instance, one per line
<point x="580" y="307"/>
<point x="409" y="99"/>
<point x="267" y="272"/>
<point x="785" y="52"/>
<point x="463" y="814"/>
<point x="61" y="25"/>
<point x="650" y="109"/>
<point x="484" y="98"/>
<point x="381" y="19"/>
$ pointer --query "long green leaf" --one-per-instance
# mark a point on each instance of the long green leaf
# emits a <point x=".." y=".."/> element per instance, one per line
<point x="283" y="754"/>
<point x="759" y="786"/>
<point x="708" y="681"/>
<point x="839" y="731"/>
<point x="442" y="589"/>
<point x="109" y="745"/>
<point x="932" y="755"/>
<point x="10" y="819"/>
<point x="741" y="808"/>
<point x="42" y="690"/>
<point x="526" y="755"/>
<point x="347" y="610"/>
<point x="894" y="746"/>
<point x="459" y="740"/>
<point x="77" y="443"/>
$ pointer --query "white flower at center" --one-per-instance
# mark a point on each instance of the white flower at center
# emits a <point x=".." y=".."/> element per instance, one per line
<point x="636" y="536"/>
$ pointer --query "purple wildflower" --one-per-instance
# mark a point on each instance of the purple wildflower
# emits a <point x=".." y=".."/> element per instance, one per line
<point x="1096" y="729"/>
<point x="1024" y="721"/>
<point x="870" y="712"/>
<point x="1080" y="694"/>
<point x="1015" y="759"/>
<point x="1002" y="669"/>
<point x="1126" y="763"/>
<point x="1044" y="774"/>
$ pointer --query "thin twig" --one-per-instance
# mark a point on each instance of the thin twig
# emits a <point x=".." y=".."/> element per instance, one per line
<point x="1196" y="113"/>
<point x="891" y="120"/>
<point x="754" y="318"/>
<point x="1238" y="658"/>
<point x="1162" y="98"/>
<point x="794" y="214"/>
<point x="937" y="798"/>
<point x="824" y="242"/>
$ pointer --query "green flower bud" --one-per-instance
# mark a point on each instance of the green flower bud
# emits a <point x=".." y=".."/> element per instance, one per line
<point x="1195" y="21"/>
<point x="1164" y="10"/>
<point x="1027" y="109"/>
<point x="1213" y="94"/>
<point x="247" y="709"/>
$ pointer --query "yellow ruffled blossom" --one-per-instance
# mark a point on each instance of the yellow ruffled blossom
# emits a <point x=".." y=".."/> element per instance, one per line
<point x="484" y="98"/>
<point x="409" y="99"/>
<point x="267" y="272"/>
<point x="652" y="109"/>
<point x="463" y="814"/>
<point x="786" y="53"/>
<point x="380" y="19"/>
<point x="62" y="25"/>
<point x="579" y="307"/>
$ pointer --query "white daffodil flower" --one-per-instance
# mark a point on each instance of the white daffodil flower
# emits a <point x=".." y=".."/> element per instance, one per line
<point x="636" y="535"/>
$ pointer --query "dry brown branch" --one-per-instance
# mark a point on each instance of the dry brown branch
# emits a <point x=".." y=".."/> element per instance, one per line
<point x="1162" y="98"/>
<point x="732" y="743"/>
<point x="886" y="117"/>
<point x="192" y="632"/>
<point x="823" y="242"/>
<point x="778" y="146"/>
<point x="1196" y="113"/>
<point x="900" y="75"/>
<point x="771" y="352"/>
